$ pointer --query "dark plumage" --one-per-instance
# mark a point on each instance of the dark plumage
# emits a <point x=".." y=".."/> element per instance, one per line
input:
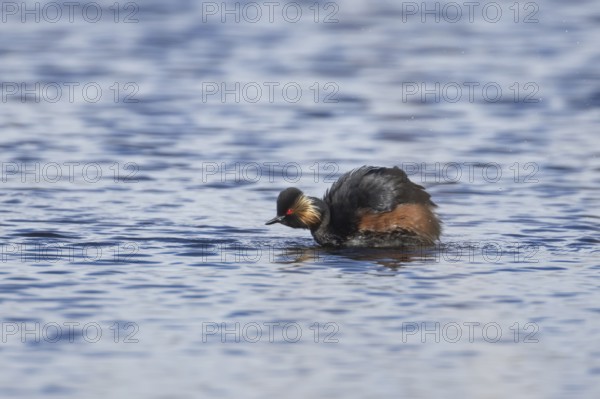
<point x="368" y="206"/>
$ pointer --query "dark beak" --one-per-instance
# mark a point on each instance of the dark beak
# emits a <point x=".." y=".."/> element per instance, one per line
<point x="276" y="219"/>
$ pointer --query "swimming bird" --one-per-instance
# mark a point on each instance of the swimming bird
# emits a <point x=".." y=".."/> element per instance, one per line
<point x="366" y="207"/>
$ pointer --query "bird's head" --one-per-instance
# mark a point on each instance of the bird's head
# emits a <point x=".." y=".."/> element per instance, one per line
<point x="294" y="209"/>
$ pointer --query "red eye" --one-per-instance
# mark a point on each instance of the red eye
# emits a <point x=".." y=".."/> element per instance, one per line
<point x="289" y="212"/>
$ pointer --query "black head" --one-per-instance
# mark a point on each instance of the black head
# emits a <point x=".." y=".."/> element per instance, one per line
<point x="294" y="209"/>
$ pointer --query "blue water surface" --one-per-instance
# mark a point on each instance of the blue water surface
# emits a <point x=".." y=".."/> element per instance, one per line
<point x="135" y="259"/>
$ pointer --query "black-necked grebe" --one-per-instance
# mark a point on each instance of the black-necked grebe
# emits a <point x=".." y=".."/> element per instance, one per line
<point x="366" y="207"/>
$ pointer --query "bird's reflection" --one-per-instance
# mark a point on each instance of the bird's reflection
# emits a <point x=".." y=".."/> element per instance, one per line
<point x="389" y="257"/>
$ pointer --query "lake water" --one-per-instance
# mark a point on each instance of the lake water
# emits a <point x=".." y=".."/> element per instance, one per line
<point x="141" y="158"/>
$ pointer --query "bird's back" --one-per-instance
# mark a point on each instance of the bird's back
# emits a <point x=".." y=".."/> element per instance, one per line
<point x="376" y="202"/>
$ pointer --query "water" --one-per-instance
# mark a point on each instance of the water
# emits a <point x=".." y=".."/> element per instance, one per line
<point x="134" y="250"/>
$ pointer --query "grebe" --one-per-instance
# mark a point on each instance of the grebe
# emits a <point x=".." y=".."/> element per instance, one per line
<point x="366" y="207"/>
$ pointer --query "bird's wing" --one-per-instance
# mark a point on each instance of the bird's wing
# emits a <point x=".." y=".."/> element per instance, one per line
<point x="371" y="190"/>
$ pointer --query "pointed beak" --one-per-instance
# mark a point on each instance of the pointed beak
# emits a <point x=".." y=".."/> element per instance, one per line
<point x="276" y="219"/>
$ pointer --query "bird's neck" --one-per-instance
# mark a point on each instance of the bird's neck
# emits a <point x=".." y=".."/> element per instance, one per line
<point x="322" y="231"/>
<point x="324" y="213"/>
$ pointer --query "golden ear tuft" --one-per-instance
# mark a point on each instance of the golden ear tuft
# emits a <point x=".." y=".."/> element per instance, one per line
<point x="306" y="211"/>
